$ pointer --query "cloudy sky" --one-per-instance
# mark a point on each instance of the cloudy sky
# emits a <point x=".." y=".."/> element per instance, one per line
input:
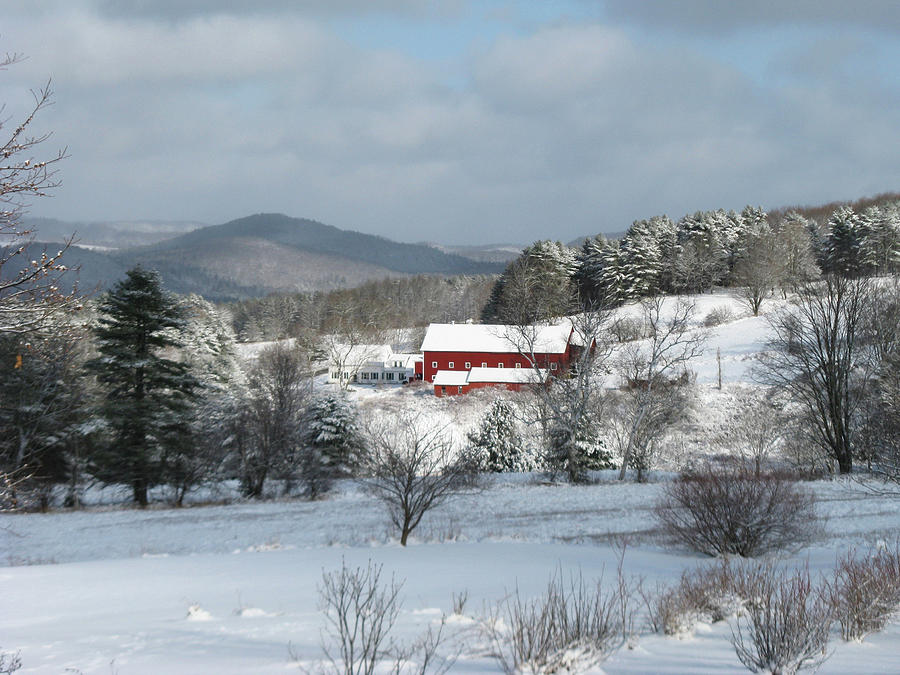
<point x="458" y="121"/>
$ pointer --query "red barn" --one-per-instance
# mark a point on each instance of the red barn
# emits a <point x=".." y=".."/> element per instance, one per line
<point x="460" y="347"/>
<point x="455" y="382"/>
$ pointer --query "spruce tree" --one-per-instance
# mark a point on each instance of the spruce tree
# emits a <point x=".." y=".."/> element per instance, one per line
<point x="496" y="443"/>
<point x="148" y="397"/>
<point x="332" y="441"/>
<point x="843" y="246"/>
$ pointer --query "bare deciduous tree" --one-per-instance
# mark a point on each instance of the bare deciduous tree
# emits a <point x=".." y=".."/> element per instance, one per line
<point x="756" y="431"/>
<point x="30" y="294"/>
<point x="817" y="355"/>
<point x="413" y="468"/>
<point x="279" y="384"/>
<point x="651" y="367"/>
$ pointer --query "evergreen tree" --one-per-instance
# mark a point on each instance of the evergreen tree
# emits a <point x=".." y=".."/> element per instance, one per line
<point x="641" y="260"/>
<point x="496" y="445"/>
<point x="537" y="286"/>
<point x="332" y="440"/>
<point x="842" y="251"/>
<point x="579" y="450"/>
<point x="589" y="271"/>
<point x="42" y="411"/>
<point x="149" y="397"/>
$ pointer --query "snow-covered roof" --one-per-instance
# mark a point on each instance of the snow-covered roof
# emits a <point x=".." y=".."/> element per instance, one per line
<point x="507" y="375"/>
<point x="450" y="378"/>
<point x="497" y="339"/>
<point x="408" y="360"/>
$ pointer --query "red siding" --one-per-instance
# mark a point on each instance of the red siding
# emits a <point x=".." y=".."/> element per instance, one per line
<point x="493" y="360"/>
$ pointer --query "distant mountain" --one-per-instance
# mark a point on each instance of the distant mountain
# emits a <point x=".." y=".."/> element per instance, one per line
<point x="494" y="253"/>
<point x="268" y="253"/>
<point x="112" y="234"/>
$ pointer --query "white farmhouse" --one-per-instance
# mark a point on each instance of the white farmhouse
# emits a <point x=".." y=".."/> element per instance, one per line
<point x="372" y="364"/>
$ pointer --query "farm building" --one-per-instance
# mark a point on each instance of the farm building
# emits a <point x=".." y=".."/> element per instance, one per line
<point x="451" y="352"/>
<point x="372" y="364"/>
<point x="455" y="382"/>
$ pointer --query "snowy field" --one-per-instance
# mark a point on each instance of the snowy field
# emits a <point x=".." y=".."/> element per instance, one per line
<point x="226" y="589"/>
<point x="234" y="588"/>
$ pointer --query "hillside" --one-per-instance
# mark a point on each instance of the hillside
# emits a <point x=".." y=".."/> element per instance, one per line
<point x="262" y="254"/>
<point x="112" y="234"/>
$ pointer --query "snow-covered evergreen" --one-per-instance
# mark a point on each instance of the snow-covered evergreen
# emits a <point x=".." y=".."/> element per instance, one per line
<point x="332" y="436"/>
<point x="496" y="442"/>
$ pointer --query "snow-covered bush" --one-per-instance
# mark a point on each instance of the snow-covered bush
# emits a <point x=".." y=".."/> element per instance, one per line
<point x="360" y="612"/>
<point x="629" y="328"/>
<point x="705" y="594"/>
<point x="718" y="315"/>
<point x="785" y="622"/>
<point x="572" y="626"/>
<point x="9" y="663"/>
<point x="731" y="510"/>
<point x="865" y="591"/>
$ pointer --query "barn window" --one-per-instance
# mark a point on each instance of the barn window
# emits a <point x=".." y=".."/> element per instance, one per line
<point x="499" y="365"/>
<point x="484" y="364"/>
<point x="553" y="366"/>
<point x="451" y="365"/>
<point x="518" y="365"/>
<point x="434" y="364"/>
<point x="468" y="365"/>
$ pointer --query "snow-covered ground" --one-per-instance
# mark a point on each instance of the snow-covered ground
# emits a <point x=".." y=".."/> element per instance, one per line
<point x="233" y="588"/>
<point x="226" y="589"/>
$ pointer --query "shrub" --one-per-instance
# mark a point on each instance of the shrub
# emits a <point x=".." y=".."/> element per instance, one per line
<point x="731" y="510"/>
<point x="629" y="328"/>
<point x="360" y="612"/>
<point x="865" y="592"/>
<point x="718" y="315"/>
<point x="705" y="594"/>
<point x="570" y="627"/>
<point x="785" y="622"/>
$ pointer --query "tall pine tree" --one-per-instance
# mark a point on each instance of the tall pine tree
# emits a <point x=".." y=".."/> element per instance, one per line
<point x="149" y="397"/>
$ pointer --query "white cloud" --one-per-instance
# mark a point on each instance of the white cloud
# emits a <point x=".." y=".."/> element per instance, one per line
<point x="560" y="132"/>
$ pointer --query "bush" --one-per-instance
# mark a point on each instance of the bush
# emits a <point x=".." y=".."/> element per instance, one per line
<point x="785" y="622"/>
<point x="572" y="626"/>
<point x="718" y="315"/>
<point x="360" y="612"/>
<point x="733" y="511"/>
<point x="629" y="328"/>
<point x="865" y="592"/>
<point x="706" y="594"/>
